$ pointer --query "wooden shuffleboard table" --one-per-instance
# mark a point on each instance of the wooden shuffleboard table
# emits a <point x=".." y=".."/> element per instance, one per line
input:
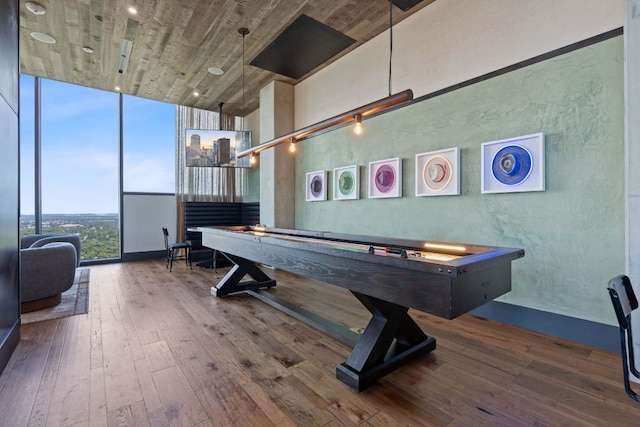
<point x="387" y="275"/>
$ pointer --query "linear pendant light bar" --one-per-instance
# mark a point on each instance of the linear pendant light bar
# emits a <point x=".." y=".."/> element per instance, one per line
<point x="365" y="110"/>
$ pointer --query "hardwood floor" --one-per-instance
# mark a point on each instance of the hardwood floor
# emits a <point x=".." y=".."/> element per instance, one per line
<point x="156" y="349"/>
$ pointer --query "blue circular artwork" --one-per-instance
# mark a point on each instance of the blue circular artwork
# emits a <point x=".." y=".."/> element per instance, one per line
<point x="512" y="165"/>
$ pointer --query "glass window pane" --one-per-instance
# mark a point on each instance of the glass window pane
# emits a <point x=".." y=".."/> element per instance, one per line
<point x="149" y="146"/>
<point x="80" y="166"/>
<point x="27" y="159"/>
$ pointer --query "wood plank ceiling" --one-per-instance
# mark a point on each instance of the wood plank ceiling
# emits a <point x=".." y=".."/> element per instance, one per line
<point x="176" y="41"/>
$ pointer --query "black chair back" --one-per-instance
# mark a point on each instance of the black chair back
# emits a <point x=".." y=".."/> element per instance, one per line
<point x="624" y="303"/>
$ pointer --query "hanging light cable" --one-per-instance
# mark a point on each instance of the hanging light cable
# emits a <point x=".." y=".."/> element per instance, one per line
<point x="244" y="31"/>
<point x="357" y="119"/>
<point x="356" y="115"/>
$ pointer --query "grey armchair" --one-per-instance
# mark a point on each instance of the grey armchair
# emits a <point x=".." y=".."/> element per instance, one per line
<point x="47" y="268"/>
<point x="38" y="240"/>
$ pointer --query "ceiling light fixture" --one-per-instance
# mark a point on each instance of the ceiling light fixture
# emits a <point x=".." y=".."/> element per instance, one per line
<point x="292" y="145"/>
<point x="124" y="53"/>
<point x="196" y="94"/>
<point x="132" y="10"/>
<point x="356" y="115"/>
<point x="44" y="38"/>
<point x="366" y="110"/>
<point x="117" y="88"/>
<point x="88" y="49"/>
<point x="35" y="8"/>
<point x="215" y="71"/>
<point x="357" y="124"/>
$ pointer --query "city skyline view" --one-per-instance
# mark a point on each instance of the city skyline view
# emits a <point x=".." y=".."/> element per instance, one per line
<point x="80" y="148"/>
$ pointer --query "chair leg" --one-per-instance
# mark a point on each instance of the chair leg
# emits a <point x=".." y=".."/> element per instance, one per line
<point x="171" y="260"/>
<point x="189" y="258"/>
<point x="625" y="367"/>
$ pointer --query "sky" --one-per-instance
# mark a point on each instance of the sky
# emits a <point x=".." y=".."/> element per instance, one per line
<point x="80" y="147"/>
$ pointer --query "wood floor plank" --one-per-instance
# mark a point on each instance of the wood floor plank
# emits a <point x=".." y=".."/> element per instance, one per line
<point x="97" y="399"/>
<point x="42" y="400"/>
<point x="70" y="400"/>
<point x="158" y="355"/>
<point x="23" y="376"/>
<point x="178" y="398"/>
<point x="129" y="415"/>
<point x="227" y="404"/>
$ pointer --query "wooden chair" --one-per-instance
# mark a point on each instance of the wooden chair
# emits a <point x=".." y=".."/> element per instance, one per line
<point x="172" y="248"/>
<point x="624" y="302"/>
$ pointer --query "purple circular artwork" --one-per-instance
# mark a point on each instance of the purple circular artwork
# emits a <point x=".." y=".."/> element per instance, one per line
<point x="385" y="178"/>
<point x="316" y="186"/>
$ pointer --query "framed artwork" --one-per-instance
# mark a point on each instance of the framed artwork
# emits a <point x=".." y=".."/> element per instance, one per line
<point x="438" y="173"/>
<point x="216" y="148"/>
<point x="513" y="165"/>
<point x="385" y="178"/>
<point x="316" y="186"/>
<point x="346" y="183"/>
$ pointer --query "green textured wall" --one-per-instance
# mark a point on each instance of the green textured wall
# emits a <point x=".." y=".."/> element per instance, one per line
<point x="573" y="233"/>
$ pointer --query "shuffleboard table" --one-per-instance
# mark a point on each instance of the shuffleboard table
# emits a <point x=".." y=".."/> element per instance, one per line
<point x="387" y="275"/>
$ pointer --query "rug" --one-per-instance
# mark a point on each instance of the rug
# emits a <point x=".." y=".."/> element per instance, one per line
<point x="74" y="301"/>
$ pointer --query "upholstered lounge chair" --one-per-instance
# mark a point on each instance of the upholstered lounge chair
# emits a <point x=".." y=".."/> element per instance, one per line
<point x="37" y="240"/>
<point x="47" y="269"/>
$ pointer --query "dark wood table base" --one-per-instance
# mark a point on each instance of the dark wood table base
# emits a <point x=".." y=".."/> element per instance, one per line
<point x="390" y="339"/>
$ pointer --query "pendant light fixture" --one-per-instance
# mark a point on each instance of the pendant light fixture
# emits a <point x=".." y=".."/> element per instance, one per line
<point x="356" y="115"/>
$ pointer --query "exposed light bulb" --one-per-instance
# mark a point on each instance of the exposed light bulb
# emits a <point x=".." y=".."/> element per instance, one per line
<point x="252" y="159"/>
<point x="357" y="127"/>
<point x="292" y="146"/>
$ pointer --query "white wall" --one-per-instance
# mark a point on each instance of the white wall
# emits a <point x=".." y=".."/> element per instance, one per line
<point x="448" y="42"/>
<point x="143" y="219"/>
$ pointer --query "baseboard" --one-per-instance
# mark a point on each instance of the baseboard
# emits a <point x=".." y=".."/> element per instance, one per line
<point x="9" y="344"/>
<point x="595" y="334"/>
<point x="143" y="256"/>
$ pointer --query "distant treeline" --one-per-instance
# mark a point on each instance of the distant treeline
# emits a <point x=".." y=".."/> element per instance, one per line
<point x="99" y="233"/>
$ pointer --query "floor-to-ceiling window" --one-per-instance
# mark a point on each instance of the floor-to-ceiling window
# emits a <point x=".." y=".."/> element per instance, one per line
<point x="149" y="145"/>
<point x="27" y="156"/>
<point x="80" y="166"/>
<point x="70" y="161"/>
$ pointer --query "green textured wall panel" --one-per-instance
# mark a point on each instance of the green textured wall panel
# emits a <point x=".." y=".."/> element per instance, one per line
<point x="573" y="233"/>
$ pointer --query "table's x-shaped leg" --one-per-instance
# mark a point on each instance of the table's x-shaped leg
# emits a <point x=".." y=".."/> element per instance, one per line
<point x="230" y="283"/>
<point x="390" y="340"/>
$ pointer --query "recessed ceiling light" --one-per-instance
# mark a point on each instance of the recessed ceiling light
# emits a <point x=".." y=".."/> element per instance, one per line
<point x="215" y="71"/>
<point x="88" y="49"/>
<point x="44" y="38"/>
<point x="132" y="10"/>
<point x="35" y="8"/>
<point x="196" y="94"/>
<point x="117" y="88"/>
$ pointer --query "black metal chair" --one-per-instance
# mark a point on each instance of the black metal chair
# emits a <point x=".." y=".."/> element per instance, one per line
<point x="624" y="302"/>
<point x="173" y="248"/>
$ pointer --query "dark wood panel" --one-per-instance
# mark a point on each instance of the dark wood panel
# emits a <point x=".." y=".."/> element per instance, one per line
<point x="9" y="182"/>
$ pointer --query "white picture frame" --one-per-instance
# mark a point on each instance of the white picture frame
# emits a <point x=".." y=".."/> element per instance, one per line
<point x="316" y="186"/>
<point x="438" y="173"/>
<point x="346" y="183"/>
<point x="513" y="165"/>
<point x="385" y="178"/>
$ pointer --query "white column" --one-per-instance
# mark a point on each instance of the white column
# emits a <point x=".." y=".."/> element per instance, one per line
<point x="277" y="173"/>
